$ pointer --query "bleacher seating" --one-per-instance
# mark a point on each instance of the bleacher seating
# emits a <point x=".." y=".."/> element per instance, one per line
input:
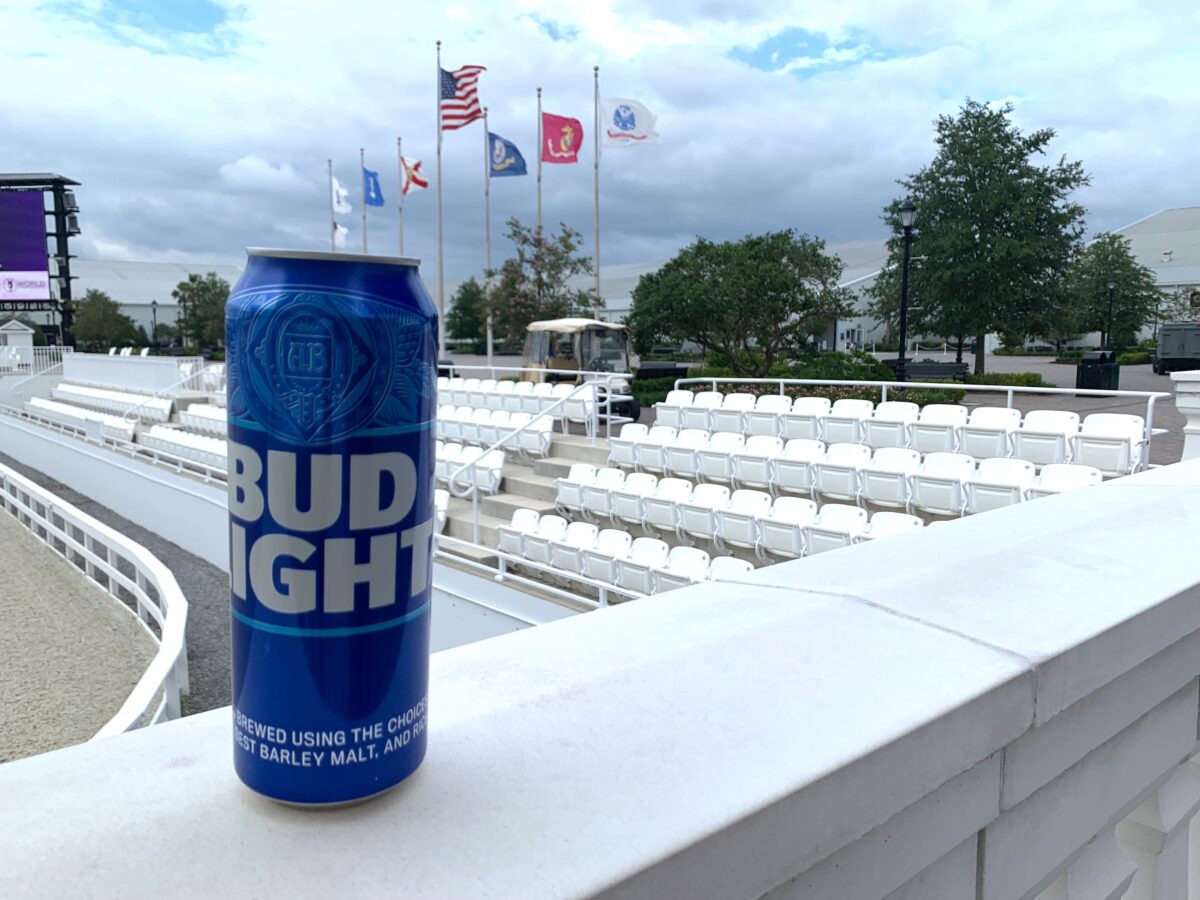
<point x="1058" y="478"/>
<point x="149" y="409"/>
<point x="201" y="448"/>
<point x="110" y="426"/>
<point x="835" y="526"/>
<point x="1045" y="436"/>
<point x="888" y="524"/>
<point x="205" y="417"/>
<point x="997" y="483"/>
<point x="684" y="566"/>
<point x="1111" y="442"/>
<point x="484" y="475"/>
<point x="939" y="485"/>
<point x="988" y="432"/>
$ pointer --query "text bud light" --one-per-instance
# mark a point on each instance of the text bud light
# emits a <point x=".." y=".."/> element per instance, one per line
<point x="330" y="394"/>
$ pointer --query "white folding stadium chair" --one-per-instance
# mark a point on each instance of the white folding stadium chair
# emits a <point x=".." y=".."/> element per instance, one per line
<point x="716" y="457"/>
<point x="488" y="471"/>
<point x="754" y="464"/>
<point x="733" y="413"/>
<point x="494" y="428"/>
<point x="684" y="566"/>
<point x="662" y="507"/>
<point x="598" y="495"/>
<point x="669" y="412"/>
<point x="998" y="482"/>
<point x="623" y="448"/>
<point x="513" y="402"/>
<point x="501" y="395"/>
<point x="651" y="453"/>
<point x="470" y="386"/>
<point x="536" y="545"/>
<point x="600" y="561"/>
<point x="683" y="453"/>
<point x="1045" y="436"/>
<point x="536" y="437"/>
<point x="568" y="491"/>
<point x="886" y="479"/>
<point x="737" y="524"/>
<point x="538" y="396"/>
<point x="766" y="417"/>
<point x="512" y="535"/>
<point x="449" y="459"/>
<point x="636" y="571"/>
<point x="441" y="505"/>
<point x="889" y="524"/>
<point x="889" y="426"/>
<point x="1111" y="442"/>
<point x="1058" y="478"/>
<point x="835" y="526"/>
<point x="845" y="421"/>
<point x="936" y="428"/>
<point x="837" y="473"/>
<point x="697" y="414"/>
<point x="458" y="392"/>
<point x="794" y="468"/>
<point x="803" y="420"/>
<point x="567" y="552"/>
<point x="781" y="531"/>
<point x="937" y="486"/>
<point x="698" y="513"/>
<point x="988" y="432"/>
<point x="728" y="568"/>
<point x="477" y="394"/>
<point x="447" y="423"/>
<point x="627" y="500"/>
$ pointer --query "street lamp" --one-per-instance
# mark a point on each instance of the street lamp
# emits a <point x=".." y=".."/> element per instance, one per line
<point x="908" y="217"/>
<point x="1108" y="327"/>
<point x="154" y="324"/>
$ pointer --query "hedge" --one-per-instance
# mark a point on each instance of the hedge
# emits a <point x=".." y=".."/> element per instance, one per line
<point x="1133" y="358"/>
<point x="1008" y="379"/>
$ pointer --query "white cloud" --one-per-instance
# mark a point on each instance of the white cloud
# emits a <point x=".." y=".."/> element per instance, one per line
<point x="253" y="173"/>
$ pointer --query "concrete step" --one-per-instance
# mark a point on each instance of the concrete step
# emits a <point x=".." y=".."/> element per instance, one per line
<point x="475" y="555"/>
<point x="527" y="482"/>
<point x="503" y="505"/>
<point x="459" y="525"/>
<point x="553" y="466"/>
<point x="579" y="449"/>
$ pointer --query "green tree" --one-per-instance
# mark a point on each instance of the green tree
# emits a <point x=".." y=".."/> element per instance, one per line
<point x="467" y="316"/>
<point x="995" y="231"/>
<point x="201" y="302"/>
<point x="533" y="284"/>
<point x="1114" y="293"/>
<point x="99" y="322"/>
<point x="754" y="301"/>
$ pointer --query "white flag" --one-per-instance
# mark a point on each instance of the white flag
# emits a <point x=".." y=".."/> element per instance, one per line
<point x="340" y="232"/>
<point x="624" y="123"/>
<point x="340" y="203"/>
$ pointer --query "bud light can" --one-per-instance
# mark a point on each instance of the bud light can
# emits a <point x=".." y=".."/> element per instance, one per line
<point x="330" y="395"/>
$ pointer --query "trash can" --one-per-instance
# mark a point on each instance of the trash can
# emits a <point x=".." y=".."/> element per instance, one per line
<point x="1098" y="370"/>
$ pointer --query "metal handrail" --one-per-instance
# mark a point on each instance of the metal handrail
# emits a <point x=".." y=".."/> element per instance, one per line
<point x="1151" y="397"/>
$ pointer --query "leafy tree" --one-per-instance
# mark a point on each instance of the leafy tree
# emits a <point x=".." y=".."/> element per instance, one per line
<point x="995" y="231"/>
<point x="533" y="285"/>
<point x="467" y="318"/>
<point x="1131" y="301"/>
<point x="99" y="321"/>
<point x="201" y="301"/>
<point x="754" y="301"/>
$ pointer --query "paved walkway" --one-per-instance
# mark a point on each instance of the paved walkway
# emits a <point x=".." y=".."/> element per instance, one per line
<point x="69" y="656"/>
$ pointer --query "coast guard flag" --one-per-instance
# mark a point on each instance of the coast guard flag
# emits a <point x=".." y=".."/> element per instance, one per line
<point x="506" y="158"/>
<point x="625" y="123"/>
<point x="372" y="195"/>
<point x="340" y="194"/>
<point x="561" y="138"/>
<point x="413" y="176"/>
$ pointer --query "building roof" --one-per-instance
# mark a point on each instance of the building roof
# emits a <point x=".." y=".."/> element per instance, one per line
<point x="1169" y="243"/>
<point x="133" y="283"/>
<point x="32" y="179"/>
<point x="12" y="326"/>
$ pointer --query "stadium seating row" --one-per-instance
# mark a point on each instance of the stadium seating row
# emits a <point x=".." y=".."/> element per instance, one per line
<point x="486" y="469"/>
<point x="110" y="425"/>
<point x="1108" y="442"/>
<point x="646" y="565"/>
<point x="201" y="448"/>
<point x="205" y="417"/>
<point x="515" y="396"/>
<point x="1042" y="436"/>
<point x="151" y="409"/>
<point x="486" y="426"/>
<point x="441" y="505"/>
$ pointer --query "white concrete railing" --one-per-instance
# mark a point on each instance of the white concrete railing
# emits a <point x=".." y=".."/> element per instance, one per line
<point x="1001" y="707"/>
<point x="147" y="375"/>
<point x="131" y="574"/>
<point x="31" y="360"/>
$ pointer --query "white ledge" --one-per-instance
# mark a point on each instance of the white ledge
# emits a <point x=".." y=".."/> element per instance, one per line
<point x="711" y="742"/>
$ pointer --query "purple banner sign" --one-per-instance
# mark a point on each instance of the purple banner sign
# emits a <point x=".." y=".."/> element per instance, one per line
<point x="24" y="271"/>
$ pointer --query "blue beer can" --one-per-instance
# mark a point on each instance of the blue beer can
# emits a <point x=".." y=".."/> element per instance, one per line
<point x="331" y="361"/>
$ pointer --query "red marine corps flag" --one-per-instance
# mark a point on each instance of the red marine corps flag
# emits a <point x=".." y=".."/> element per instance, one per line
<point x="561" y="139"/>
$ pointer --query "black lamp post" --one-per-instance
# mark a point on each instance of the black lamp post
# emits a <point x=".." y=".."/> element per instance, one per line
<point x="181" y="321"/>
<point x="154" y="324"/>
<point x="1108" y="328"/>
<point x="908" y="217"/>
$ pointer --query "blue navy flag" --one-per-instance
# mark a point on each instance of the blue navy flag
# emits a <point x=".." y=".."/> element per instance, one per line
<point x="372" y="195"/>
<point x="506" y="158"/>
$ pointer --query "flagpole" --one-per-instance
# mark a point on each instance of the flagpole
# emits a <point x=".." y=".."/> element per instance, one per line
<point x="539" y="174"/>
<point x="362" y="177"/>
<point x="441" y="272"/>
<point x="332" y="220"/>
<point x="400" y="190"/>
<point x="487" y="228"/>
<point x="596" y="172"/>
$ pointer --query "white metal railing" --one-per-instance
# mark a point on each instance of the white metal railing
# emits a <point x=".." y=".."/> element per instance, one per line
<point x="502" y="573"/>
<point x="1151" y="397"/>
<point x="31" y="360"/>
<point x="131" y="574"/>
<point x="141" y="374"/>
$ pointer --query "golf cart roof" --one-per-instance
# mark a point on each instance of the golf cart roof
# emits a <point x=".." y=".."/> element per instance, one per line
<point x="574" y="326"/>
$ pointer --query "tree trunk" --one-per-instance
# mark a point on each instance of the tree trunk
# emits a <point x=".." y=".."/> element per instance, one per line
<point x="958" y="350"/>
<point x="979" y="363"/>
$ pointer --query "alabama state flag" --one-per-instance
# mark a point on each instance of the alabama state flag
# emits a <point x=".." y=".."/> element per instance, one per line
<point x="561" y="139"/>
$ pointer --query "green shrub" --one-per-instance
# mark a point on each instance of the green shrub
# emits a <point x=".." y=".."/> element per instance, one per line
<point x="1133" y="358"/>
<point x="1008" y="379"/>
<point x="1069" y="357"/>
<point x="1009" y="351"/>
<point x="649" y="391"/>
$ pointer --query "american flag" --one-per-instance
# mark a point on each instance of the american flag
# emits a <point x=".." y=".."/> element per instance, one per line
<point x="460" y="97"/>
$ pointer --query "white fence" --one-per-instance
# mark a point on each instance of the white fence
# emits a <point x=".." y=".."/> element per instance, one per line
<point x="31" y="360"/>
<point x="147" y="375"/>
<point x="132" y="575"/>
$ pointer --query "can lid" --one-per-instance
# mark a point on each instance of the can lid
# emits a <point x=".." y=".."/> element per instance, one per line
<point x="334" y="256"/>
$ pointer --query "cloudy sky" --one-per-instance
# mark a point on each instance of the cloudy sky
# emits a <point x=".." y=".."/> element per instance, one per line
<point x="199" y="127"/>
